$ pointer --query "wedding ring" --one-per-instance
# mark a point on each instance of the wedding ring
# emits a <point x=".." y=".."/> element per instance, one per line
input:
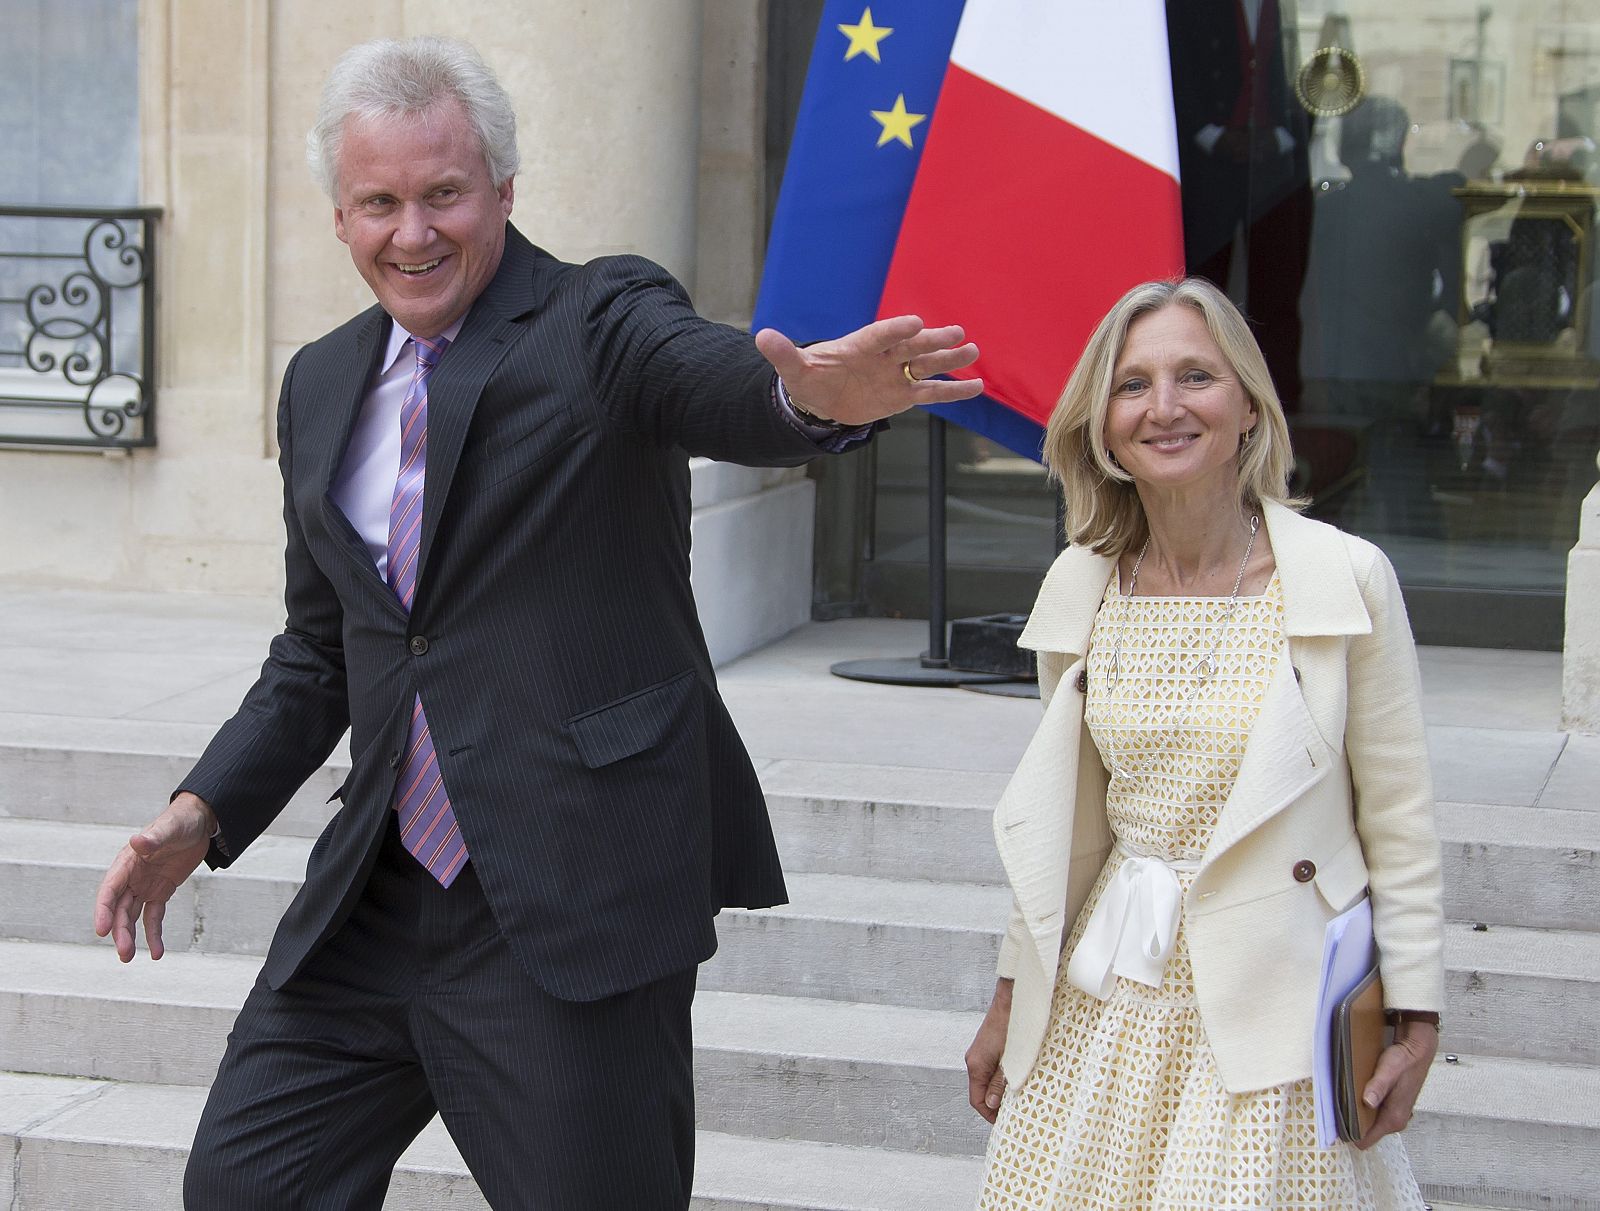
<point x="905" y="369"/>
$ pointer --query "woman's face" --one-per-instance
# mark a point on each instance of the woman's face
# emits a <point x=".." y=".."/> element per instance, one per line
<point x="1177" y="411"/>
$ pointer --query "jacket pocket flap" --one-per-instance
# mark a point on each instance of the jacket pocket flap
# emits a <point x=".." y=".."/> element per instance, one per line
<point x="1342" y="877"/>
<point x="631" y="724"/>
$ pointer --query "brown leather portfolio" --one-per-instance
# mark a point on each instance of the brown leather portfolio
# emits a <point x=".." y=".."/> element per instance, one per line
<point x="1360" y="1033"/>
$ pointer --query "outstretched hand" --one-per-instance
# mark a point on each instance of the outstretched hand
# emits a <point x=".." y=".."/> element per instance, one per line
<point x="151" y="866"/>
<point x="873" y="372"/>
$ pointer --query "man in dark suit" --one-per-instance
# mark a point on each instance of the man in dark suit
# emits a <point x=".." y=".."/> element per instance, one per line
<point x="486" y="495"/>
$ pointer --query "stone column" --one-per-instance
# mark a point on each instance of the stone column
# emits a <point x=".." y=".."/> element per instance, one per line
<point x="733" y="154"/>
<point x="608" y="124"/>
<point x="607" y="102"/>
<point x="1580" y="662"/>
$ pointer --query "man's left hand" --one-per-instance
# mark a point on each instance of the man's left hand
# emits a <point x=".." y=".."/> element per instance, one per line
<point x="875" y="371"/>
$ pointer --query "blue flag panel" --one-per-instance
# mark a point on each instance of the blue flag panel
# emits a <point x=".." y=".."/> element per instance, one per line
<point x="871" y="89"/>
<point x="849" y="174"/>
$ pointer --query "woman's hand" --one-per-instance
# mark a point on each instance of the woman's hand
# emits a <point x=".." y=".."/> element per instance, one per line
<point x="1394" y="1087"/>
<point x="985" y="1081"/>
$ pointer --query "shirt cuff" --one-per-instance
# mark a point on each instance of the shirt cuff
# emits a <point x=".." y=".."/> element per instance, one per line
<point x="831" y="439"/>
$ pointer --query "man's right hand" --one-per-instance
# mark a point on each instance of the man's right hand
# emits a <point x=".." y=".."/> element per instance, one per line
<point x="149" y="869"/>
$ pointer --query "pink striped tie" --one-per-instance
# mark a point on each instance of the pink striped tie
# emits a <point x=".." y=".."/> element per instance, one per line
<point x="427" y="821"/>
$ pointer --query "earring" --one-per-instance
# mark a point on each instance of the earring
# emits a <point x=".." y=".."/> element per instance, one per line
<point x="1112" y="459"/>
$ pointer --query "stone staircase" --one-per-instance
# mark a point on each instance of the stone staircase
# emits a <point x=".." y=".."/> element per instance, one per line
<point x="829" y="1033"/>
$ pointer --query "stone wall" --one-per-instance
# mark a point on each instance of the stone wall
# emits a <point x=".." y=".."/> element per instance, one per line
<point x="641" y="131"/>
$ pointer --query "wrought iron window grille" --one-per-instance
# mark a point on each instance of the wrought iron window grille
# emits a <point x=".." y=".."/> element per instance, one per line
<point x="77" y="326"/>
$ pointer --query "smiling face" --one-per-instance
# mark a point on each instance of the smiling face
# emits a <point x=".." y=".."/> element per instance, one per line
<point x="425" y="224"/>
<point x="1177" y="411"/>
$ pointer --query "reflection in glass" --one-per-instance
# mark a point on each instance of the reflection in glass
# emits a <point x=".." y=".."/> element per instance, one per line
<point x="1449" y="387"/>
<point x="1420" y="267"/>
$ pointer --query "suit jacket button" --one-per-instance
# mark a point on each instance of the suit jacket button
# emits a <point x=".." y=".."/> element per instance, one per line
<point x="1305" y="870"/>
<point x="1083" y="681"/>
<point x="419" y="645"/>
<point x="394" y="759"/>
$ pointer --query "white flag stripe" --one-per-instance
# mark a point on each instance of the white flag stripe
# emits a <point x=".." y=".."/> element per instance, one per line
<point x="1099" y="64"/>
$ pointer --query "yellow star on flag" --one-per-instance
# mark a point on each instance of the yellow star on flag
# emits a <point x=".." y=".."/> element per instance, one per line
<point x="864" y="37"/>
<point x="896" y="122"/>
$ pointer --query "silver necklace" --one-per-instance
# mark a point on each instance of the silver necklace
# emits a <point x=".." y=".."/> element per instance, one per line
<point x="1205" y="669"/>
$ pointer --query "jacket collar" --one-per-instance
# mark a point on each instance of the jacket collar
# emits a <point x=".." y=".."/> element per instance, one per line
<point x="1320" y="593"/>
<point x="518" y="288"/>
<point x="520" y="284"/>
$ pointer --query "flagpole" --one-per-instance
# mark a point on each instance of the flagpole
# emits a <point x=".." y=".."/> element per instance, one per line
<point x="933" y="666"/>
<point x="938" y="656"/>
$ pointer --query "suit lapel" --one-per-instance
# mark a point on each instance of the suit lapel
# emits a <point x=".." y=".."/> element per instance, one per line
<point x="453" y="393"/>
<point x="464" y="371"/>
<point x="1284" y="758"/>
<point x="1286" y="754"/>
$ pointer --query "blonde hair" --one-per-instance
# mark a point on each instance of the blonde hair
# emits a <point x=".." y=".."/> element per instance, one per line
<point x="1102" y="505"/>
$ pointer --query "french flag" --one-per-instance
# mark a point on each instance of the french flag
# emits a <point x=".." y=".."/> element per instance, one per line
<point x="1048" y="186"/>
<point x="1009" y="165"/>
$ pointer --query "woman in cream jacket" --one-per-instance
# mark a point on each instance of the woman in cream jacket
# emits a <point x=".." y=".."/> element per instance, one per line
<point x="1266" y="767"/>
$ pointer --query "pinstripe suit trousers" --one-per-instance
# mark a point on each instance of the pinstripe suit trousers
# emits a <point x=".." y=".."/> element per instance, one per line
<point x="416" y="1004"/>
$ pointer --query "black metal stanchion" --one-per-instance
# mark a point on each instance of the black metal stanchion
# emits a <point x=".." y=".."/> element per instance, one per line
<point x="1029" y="689"/>
<point x="938" y="654"/>
<point x="933" y="666"/>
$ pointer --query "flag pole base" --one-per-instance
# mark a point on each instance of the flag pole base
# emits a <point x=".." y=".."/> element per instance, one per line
<point x="911" y="670"/>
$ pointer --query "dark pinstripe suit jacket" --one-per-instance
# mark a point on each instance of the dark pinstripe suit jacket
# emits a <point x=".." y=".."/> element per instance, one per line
<point x="607" y="802"/>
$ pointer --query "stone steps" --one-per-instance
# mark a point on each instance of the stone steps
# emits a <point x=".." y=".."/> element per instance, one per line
<point x="844" y="937"/>
<point x="1533" y="866"/>
<point x="1512" y="990"/>
<point x="830" y="1032"/>
<point x="78" y="1143"/>
<point x="96" y="1143"/>
<point x="831" y="1072"/>
<point x="790" y="1067"/>
<point x="1523" y="993"/>
<point x="1509" y="1133"/>
<point x="1536" y="867"/>
<point x="122" y="772"/>
<point x="1508" y="864"/>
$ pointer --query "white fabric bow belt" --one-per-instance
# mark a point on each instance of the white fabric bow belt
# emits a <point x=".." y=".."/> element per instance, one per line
<point x="1133" y="927"/>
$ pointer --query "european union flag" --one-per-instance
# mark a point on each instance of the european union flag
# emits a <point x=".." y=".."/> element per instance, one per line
<point x="874" y="78"/>
<point x="873" y="84"/>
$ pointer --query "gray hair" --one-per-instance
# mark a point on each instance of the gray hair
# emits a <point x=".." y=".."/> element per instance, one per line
<point x="389" y="78"/>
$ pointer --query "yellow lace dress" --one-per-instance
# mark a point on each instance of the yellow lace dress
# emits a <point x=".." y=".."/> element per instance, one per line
<point x="1125" y="1108"/>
